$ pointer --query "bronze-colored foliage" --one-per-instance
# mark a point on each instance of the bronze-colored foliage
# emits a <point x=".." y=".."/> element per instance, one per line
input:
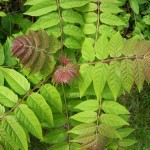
<point x="34" y="51"/>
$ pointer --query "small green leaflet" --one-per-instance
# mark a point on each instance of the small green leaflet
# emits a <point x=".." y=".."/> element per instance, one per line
<point x="2" y="110"/>
<point x="110" y="1"/>
<point x="112" y="107"/>
<point x="51" y="94"/>
<point x="86" y="116"/>
<point x="108" y="131"/>
<point x="100" y="73"/>
<point x="134" y="5"/>
<point x="34" y="2"/>
<point x="8" y="100"/>
<point x="15" y="131"/>
<point x="115" y="45"/>
<point x="114" y="79"/>
<point x="16" y="80"/>
<point x="112" y="120"/>
<point x="72" y="43"/>
<point x="124" y="132"/>
<point x="55" y="136"/>
<point x="72" y="17"/>
<point x="2" y="57"/>
<point x="1" y="78"/>
<point x="2" y="14"/>
<point x="28" y="119"/>
<point x="127" y="75"/>
<point x="86" y="78"/>
<point x="87" y="8"/>
<point x="71" y="4"/>
<point x="91" y="105"/>
<point x="101" y="47"/>
<point x="84" y="128"/>
<point x="90" y="17"/>
<point x="111" y="19"/>
<point x="88" y="52"/>
<point x="40" y="107"/>
<point x="44" y="23"/>
<point x="127" y="142"/>
<point x="41" y="8"/>
<point x="60" y="146"/>
<point x="89" y="29"/>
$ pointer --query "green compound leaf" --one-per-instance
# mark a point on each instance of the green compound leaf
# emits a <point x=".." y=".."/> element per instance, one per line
<point x="51" y="95"/>
<point x="113" y="107"/>
<point x="86" y="116"/>
<point x="40" y="107"/>
<point x="28" y="119"/>
<point x="16" y="80"/>
<point x="15" y="131"/>
<point x="8" y="100"/>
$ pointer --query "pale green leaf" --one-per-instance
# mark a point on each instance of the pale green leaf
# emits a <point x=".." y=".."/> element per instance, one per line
<point x="40" y="107"/>
<point x="101" y="47"/>
<point x="28" y="119"/>
<point x="1" y="78"/>
<point x="91" y="105"/>
<point x="84" y="128"/>
<point x="112" y="107"/>
<point x="8" y="100"/>
<point x="15" y="131"/>
<point x="73" y="30"/>
<point x="2" y="14"/>
<point x="89" y="29"/>
<point x="100" y="73"/>
<point x="110" y="1"/>
<point x="41" y="8"/>
<point x="88" y="52"/>
<point x="51" y="94"/>
<point x="72" y="17"/>
<point x="16" y="80"/>
<point x="134" y="5"/>
<point x="110" y="8"/>
<point x="72" y="43"/>
<point x="108" y="131"/>
<point x="71" y="4"/>
<point x="2" y="57"/>
<point x="86" y="78"/>
<point x="138" y="73"/>
<point x="127" y="75"/>
<point x="124" y="132"/>
<point x="114" y="79"/>
<point x="111" y="19"/>
<point x="115" y="45"/>
<point x="86" y="116"/>
<point x="46" y="21"/>
<point x="2" y="110"/>
<point x="55" y="30"/>
<point x="90" y="17"/>
<point x="127" y="142"/>
<point x="55" y="136"/>
<point x="34" y="2"/>
<point x="112" y="120"/>
<point x="60" y="146"/>
<point x="87" y="8"/>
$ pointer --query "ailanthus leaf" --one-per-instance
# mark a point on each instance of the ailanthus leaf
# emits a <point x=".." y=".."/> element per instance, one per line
<point x="41" y="8"/>
<point x="89" y="29"/>
<point x="15" y="131"/>
<point x="110" y="1"/>
<point x="2" y="110"/>
<point x="112" y="107"/>
<point x="90" y="17"/>
<point x="60" y="146"/>
<point x="114" y="79"/>
<point x="115" y="45"/>
<point x="72" y="43"/>
<point x="86" y="78"/>
<point x="84" y="128"/>
<point x="108" y="131"/>
<point x="111" y="19"/>
<point x="146" y="68"/>
<point x="1" y="78"/>
<point x="100" y="73"/>
<point x="51" y="95"/>
<point x="134" y="5"/>
<point x="101" y="49"/>
<point x="33" y="2"/>
<point x="28" y="119"/>
<point x="55" y="136"/>
<point x="127" y="75"/>
<point x="87" y="8"/>
<point x="71" y="4"/>
<point x="2" y="57"/>
<point x="33" y="51"/>
<point x="127" y="142"/>
<point x="40" y="107"/>
<point x="72" y="17"/>
<point x="112" y="120"/>
<point x="88" y="52"/>
<point x="16" y="80"/>
<point x="85" y="116"/>
<point x="138" y="73"/>
<point x="110" y="8"/>
<point x="124" y="132"/>
<point x="91" y="105"/>
<point x="8" y="100"/>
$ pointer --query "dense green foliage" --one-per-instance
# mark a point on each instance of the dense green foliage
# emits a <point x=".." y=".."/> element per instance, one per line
<point x="64" y="64"/>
